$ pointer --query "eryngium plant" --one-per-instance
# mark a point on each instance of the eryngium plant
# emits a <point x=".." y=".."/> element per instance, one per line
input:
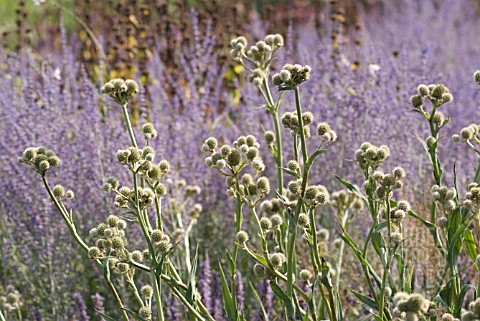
<point x="137" y="204"/>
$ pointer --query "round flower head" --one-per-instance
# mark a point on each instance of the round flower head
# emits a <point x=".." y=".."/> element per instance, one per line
<point x="305" y="275"/>
<point x="277" y="260"/>
<point x="234" y="158"/>
<point x="136" y="256"/>
<point x="423" y="90"/>
<point x="242" y="237"/>
<point x="476" y="77"/>
<point x="323" y="234"/>
<point x="211" y="143"/>
<point x="145" y="313"/>
<point x="259" y="270"/>
<point x="303" y="219"/>
<point x="265" y="223"/>
<point x="277" y="220"/>
<point x="94" y="252"/>
<point x="147" y="291"/>
<point x="148" y="128"/>
<point x="58" y="190"/>
<point x="416" y="101"/>
<point x="269" y="137"/>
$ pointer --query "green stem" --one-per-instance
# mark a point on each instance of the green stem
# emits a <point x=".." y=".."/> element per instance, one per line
<point x="118" y="300"/>
<point x="65" y="216"/>
<point x="300" y="125"/>
<point x="340" y="254"/>
<point x="279" y="156"/>
<point x="129" y="125"/>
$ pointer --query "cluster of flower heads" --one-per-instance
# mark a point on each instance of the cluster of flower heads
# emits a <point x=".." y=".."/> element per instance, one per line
<point x="276" y="262"/>
<point x="121" y="91"/>
<point x="259" y="54"/>
<point x="161" y="242"/>
<point x="472" y="197"/>
<point x="448" y="317"/>
<point x="445" y="196"/>
<point x="474" y="312"/>
<point x="471" y="132"/>
<point x="344" y="200"/>
<point x="40" y="158"/>
<point x="410" y="307"/>
<point x="369" y="156"/>
<point x="111" y="242"/>
<point x="235" y="158"/>
<point x="11" y="301"/>
<point x="398" y="213"/>
<point x="149" y="131"/>
<point x="291" y="76"/>
<point x="290" y="121"/>
<point x="438" y="94"/>
<point x="387" y="183"/>
<point x="183" y="201"/>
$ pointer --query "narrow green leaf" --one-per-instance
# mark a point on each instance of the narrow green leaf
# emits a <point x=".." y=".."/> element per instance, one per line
<point x="279" y="292"/>
<point x="134" y="314"/>
<point x="105" y="317"/>
<point x="229" y="306"/>
<point x="262" y="308"/>
<point x="365" y="300"/>
<point x="470" y="244"/>
<point x="461" y="297"/>
<point x="290" y="172"/>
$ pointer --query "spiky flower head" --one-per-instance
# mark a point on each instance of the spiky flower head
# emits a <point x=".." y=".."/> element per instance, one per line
<point x="242" y="237"/>
<point x="291" y="76"/>
<point x="121" y="91"/>
<point x="145" y="313"/>
<point x="476" y="77"/>
<point x="305" y="275"/>
<point x="147" y="291"/>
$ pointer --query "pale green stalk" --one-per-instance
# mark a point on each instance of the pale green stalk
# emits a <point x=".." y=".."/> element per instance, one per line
<point x="340" y="254"/>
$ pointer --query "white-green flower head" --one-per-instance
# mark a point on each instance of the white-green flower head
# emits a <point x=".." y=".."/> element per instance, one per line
<point x="145" y="313"/>
<point x="242" y="237"/>
<point x="119" y="90"/>
<point x="291" y="76"/>
<point x="395" y="239"/>
<point x="263" y="185"/>
<point x="234" y="158"/>
<point x="210" y="144"/>
<point x="94" y="253"/>
<point x="415" y="303"/>
<point x="423" y="91"/>
<point x="259" y="270"/>
<point x="258" y="165"/>
<point x="442" y="222"/>
<point x="58" y="190"/>
<point x="295" y="187"/>
<point x="323" y="234"/>
<point x="277" y="260"/>
<point x="293" y="166"/>
<point x="277" y="220"/>
<point x="303" y="220"/>
<point x="305" y="275"/>
<point x="416" y="101"/>
<point x="147" y="291"/>
<point x="265" y="223"/>
<point x="476" y="77"/>
<point x="136" y="256"/>
<point x="438" y="118"/>
<point x="269" y="137"/>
